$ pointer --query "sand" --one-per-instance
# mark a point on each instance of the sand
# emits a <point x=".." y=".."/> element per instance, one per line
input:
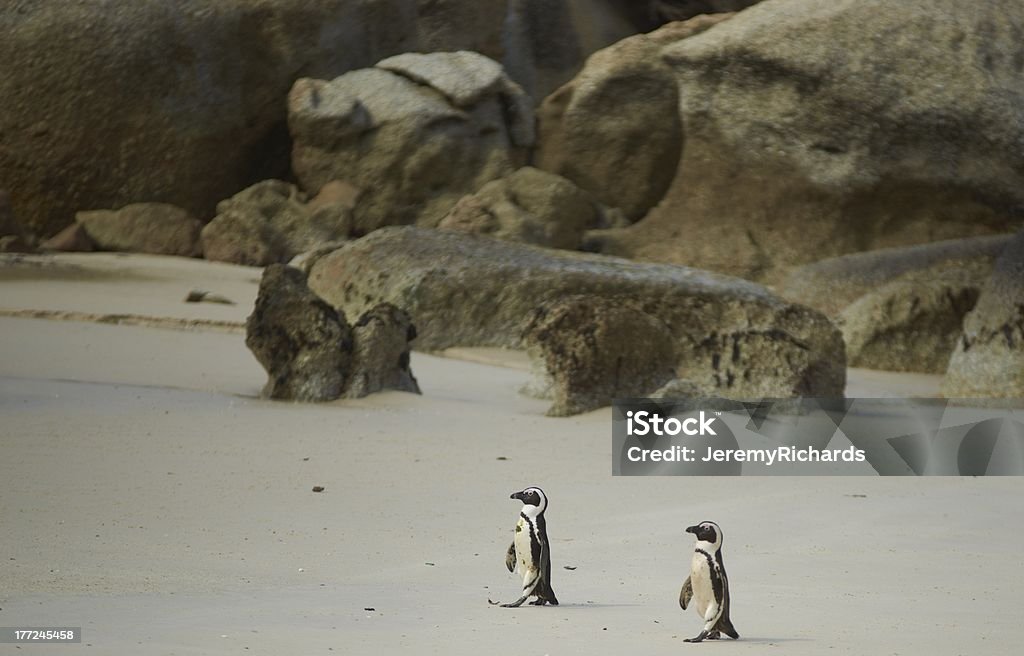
<point x="148" y="496"/>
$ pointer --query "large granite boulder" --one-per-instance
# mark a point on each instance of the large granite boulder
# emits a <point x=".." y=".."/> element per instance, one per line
<point x="415" y="133"/>
<point x="466" y="290"/>
<point x="530" y="206"/>
<point x="155" y="228"/>
<point x="814" y="129"/>
<point x="615" y="128"/>
<point x="310" y="351"/>
<point x="271" y="222"/>
<point x="590" y="350"/>
<point x="989" y="358"/>
<point x="106" y="104"/>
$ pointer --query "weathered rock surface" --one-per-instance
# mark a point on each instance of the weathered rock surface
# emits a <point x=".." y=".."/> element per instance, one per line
<point x="312" y="354"/>
<point x="908" y="325"/>
<point x="155" y="228"/>
<point x="989" y="356"/>
<point x="593" y="350"/>
<point x="530" y="206"/>
<point x="815" y="129"/>
<point x="270" y="222"/>
<point x="304" y="344"/>
<point x="182" y="102"/>
<point x="12" y="237"/>
<point x="381" y="355"/>
<point x="680" y="10"/>
<point x="834" y="283"/>
<point x="415" y="133"/>
<point x="465" y="290"/>
<point x="71" y="239"/>
<point x="615" y="128"/>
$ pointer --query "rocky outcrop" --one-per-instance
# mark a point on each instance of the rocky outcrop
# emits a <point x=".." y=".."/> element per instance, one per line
<point x="310" y="351"/>
<point x="155" y="228"/>
<point x="907" y="325"/>
<point x="681" y="10"/>
<point x="591" y="350"/>
<point x="989" y="358"/>
<point x="182" y="102"/>
<point x="415" y="133"/>
<point x="530" y="206"/>
<point x="615" y="128"/>
<point x="832" y="284"/>
<point x="465" y="290"/>
<point x="72" y="239"/>
<point x="808" y="135"/>
<point x="12" y="237"/>
<point x="271" y="222"/>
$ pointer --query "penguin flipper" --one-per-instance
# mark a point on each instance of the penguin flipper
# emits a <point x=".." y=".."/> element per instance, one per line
<point x="510" y="557"/>
<point x="685" y="594"/>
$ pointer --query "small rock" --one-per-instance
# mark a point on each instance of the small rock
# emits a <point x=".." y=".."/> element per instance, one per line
<point x="201" y="296"/>
<point x="318" y="488"/>
<point x="72" y="239"/>
<point x="156" y="228"/>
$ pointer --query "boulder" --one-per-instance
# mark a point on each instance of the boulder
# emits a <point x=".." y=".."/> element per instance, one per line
<point x="380" y="359"/>
<point x="681" y="10"/>
<point x="815" y="129"/>
<point x="908" y="325"/>
<point x="615" y="128"/>
<point x="467" y="290"/>
<point x="155" y="228"/>
<point x="989" y="356"/>
<point x="270" y="222"/>
<point x="415" y="133"/>
<point x="310" y="351"/>
<point x="12" y="237"/>
<point x="832" y="284"/>
<point x="530" y="206"/>
<point x="304" y="344"/>
<point x="72" y="239"/>
<point x="593" y="350"/>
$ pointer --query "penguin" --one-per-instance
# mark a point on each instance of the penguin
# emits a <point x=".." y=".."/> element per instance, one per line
<point x="708" y="584"/>
<point x="530" y="549"/>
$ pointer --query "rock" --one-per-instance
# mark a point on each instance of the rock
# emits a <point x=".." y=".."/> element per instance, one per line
<point x="593" y="350"/>
<point x="12" y="237"/>
<point x="809" y="135"/>
<point x="832" y="284"/>
<point x="155" y="228"/>
<point x="681" y="10"/>
<point x="304" y="344"/>
<point x="311" y="353"/>
<point x="381" y="355"/>
<point x="269" y="222"/>
<point x="530" y="206"/>
<point x="615" y="129"/>
<point x="466" y="290"/>
<point x="678" y="388"/>
<point x="305" y="261"/>
<point x="72" y="239"/>
<point x="907" y="325"/>
<point x="989" y="356"/>
<point x="337" y="192"/>
<point x="407" y="134"/>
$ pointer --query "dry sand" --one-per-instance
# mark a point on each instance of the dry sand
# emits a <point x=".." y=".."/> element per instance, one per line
<point x="149" y="497"/>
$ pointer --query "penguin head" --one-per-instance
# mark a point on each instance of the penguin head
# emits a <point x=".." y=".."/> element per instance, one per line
<point x="707" y="532"/>
<point x="533" y="498"/>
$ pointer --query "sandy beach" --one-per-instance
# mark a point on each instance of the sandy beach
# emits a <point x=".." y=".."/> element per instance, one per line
<point x="150" y="497"/>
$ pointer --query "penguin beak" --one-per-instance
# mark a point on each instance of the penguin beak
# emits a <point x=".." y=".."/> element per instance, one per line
<point x="691" y="529"/>
<point x="517" y="495"/>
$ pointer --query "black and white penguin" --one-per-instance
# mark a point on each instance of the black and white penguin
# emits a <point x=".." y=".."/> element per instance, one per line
<point x="530" y="549"/>
<point x="708" y="586"/>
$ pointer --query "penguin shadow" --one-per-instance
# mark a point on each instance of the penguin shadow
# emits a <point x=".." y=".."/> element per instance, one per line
<point x="765" y="641"/>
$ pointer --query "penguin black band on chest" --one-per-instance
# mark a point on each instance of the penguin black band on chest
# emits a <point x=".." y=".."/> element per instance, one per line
<point x="707" y="587"/>
<point x="530" y="550"/>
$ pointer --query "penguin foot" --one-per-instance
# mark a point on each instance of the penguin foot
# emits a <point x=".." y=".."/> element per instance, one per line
<point x="699" y="638"/>
<point x="515" y="604"/>
<point x="539" y="602"/>
<point x="714" y="635"/>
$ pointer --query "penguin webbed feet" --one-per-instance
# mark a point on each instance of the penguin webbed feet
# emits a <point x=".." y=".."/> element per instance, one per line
<point x="699" y="638"/>
<point x="515" y="604"/>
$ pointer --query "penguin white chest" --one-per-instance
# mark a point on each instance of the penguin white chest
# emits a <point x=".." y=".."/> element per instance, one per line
<point x="700" y="579"/>
<point x="524" y="547"/>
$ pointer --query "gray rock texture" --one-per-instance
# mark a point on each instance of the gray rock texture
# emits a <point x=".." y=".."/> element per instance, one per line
<point x="530" y="206"/>
<point x="156" y="228"/>
<point x="270" y="222"/>
<point x="593" y="350"/>
<point x="466" y="290"/>
<point x="304" y="344"/>
<point x="107" y="104"/>
<point x="815" y="129"/>
<point x="415" y="133"/>
<point x="615" y="128"/>
<point x="310" y="351"/>
<point x="989" y="357"/>
<point x="832" y="284"/>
